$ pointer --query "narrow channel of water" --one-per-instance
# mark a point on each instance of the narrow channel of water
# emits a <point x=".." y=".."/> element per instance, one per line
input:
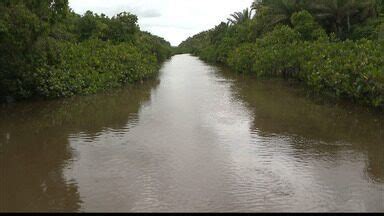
<point x="197" y="139"/>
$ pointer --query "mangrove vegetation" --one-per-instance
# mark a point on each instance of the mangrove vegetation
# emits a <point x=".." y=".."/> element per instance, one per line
<point x="49" y="51"/>
<point x="335" y="47"/>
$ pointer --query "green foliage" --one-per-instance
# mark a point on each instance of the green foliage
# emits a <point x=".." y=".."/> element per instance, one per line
<point x="242" y="59"/>
<point x="92" y="26"/>
<point x="51" y="11"/>
<point x="274" y="54"/>
<point x="371" y="29"/>
<point x="335" y="16"/>
<point x="65" y="69"/>
<point x="120" y="28"/>
<point x="348" y="69"/>
<point x="289" y="38"/>
<point x="154" y="45"/>
<point x="123" y="27"/>
<point x="240" y="17"/>
<point x="278" y="48"/>
<point x="48" y="51"/>
<point x="15" y="45"/>
<point x="304" y="23"/>
<point x="275" y="12"/>
<point x="339" y="16"/>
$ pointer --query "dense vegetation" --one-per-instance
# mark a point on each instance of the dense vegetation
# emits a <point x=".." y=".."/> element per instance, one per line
<point x="333" y="46"/>
<point x="48" y="51"/>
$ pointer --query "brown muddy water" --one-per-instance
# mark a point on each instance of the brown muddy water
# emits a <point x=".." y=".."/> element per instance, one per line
<point x="198" y="139"/>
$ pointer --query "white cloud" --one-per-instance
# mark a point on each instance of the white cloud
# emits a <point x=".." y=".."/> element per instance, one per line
<point x="175" y="20"/>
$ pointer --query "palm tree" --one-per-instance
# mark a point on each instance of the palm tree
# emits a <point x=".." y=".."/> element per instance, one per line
<point x="339" y="13"/>
<point x="256" y="5"/>
<point x="240" y="17"/>
<point x="277" y="11"/>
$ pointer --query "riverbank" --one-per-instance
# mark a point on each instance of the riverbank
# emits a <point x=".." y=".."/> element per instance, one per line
<point x="348" y="70"/>
<point x="199" y="139"/>
<point x="352" y="71"/>
<point x="347" y="65"/>
<point x="48" y="51"/>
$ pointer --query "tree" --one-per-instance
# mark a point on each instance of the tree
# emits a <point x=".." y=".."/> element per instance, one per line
<point x="336" y="16"/>
<point x="92" y="26"/>
<point x="123" y="27"/>
<point x="304" y="23"/>
<point x="277" y="11"/>
<point x="20" y="29"/>
<point x="47" y="10"/>
<point x="340" y="15"/>
<point x="218" y="32"/>
<point x="240" y="17"/>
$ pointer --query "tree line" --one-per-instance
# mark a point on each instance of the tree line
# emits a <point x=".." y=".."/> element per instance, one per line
<point x="335" y="47"/>
<point x="49" y="51"/>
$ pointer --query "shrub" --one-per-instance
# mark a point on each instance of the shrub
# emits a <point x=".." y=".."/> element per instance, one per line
<point x="353" y="70"/>
<point x="242" y="59"/>
<point x="305" y="24"/>
<point x="349" y="69"/>
<point x="274" y="54"/>
<point x="65" y="69"/>
<point x="48" y="51"/>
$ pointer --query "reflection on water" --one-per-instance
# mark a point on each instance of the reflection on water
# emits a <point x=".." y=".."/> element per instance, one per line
<point x="202" y="139"/>
<point x="316" y="129"/>
<point x="35" y="146"/>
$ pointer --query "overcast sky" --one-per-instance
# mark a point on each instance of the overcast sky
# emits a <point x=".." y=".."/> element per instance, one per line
<point x="174" y="20"/>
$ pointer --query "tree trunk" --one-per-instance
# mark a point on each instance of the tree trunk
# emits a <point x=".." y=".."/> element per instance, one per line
<point x="339" y="27"/>
<point x="349" y="23"/>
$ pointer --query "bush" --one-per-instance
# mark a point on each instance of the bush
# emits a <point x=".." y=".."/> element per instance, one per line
<point x="48" y="51"/>
<point x="301" y="48"/>
<point x="348" y="69"/>
<point x="372" y="30"/>
<point x="64" y="69"/>
<point x="272" y="55"/>
<point x="305" y="24"/>
<point x="242" y="59"/>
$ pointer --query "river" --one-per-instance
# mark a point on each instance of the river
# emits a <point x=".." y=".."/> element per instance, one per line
<point x="196" y="139"/>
